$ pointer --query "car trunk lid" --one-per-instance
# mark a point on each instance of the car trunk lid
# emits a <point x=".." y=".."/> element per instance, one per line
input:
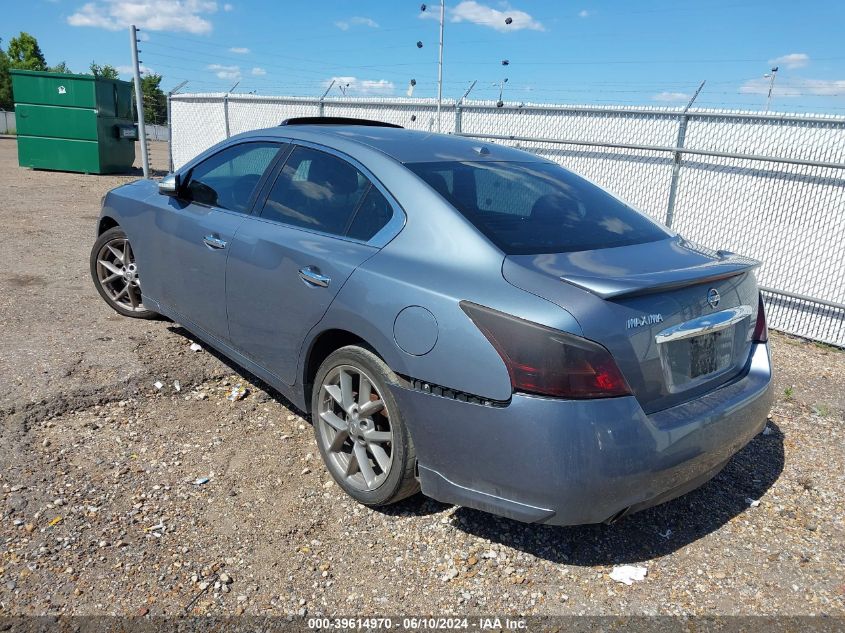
<point x="678" y="318"/>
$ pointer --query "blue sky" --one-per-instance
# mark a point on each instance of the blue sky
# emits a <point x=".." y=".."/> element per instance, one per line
<point x="648" y="52"/>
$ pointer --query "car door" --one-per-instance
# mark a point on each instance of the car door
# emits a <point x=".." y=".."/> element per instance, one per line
<point x="194" y="230"/>
<point x="321" y="217"/>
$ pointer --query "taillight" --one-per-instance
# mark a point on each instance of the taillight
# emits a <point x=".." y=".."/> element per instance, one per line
<point x="761" y="332"/>
<point x="544" y="361"/>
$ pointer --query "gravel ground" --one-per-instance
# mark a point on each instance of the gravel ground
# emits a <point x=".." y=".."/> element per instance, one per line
<point x="101" y="512"/>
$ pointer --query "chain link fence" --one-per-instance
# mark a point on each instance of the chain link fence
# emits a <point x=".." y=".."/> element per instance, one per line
<point x="770" y="186"/>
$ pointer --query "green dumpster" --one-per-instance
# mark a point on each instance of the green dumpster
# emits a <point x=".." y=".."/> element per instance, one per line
<point x="73" y="122"/>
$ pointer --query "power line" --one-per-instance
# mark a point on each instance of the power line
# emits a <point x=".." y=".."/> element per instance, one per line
<point x="639" y="61"/>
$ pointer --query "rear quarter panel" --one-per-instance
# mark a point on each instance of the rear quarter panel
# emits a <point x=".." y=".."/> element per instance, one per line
<point x="437" y="260"/>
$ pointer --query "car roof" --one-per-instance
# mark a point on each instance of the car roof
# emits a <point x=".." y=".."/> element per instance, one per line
<point x="405" y="146"/>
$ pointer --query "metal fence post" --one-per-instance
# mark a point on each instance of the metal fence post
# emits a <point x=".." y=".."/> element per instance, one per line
<point x="226" y="112"/>
<point x="676" y="159"/>
<point x="170" y="125"/>
<point x="676" y="170"/>
<point x="459" y="108"/>
<point x="320" y="107"/>
<point x="169" y="135"/>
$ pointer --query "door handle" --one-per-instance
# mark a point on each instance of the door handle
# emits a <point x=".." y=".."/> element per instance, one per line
<point x="313" y="278"/>
<point x="214" y="242"/>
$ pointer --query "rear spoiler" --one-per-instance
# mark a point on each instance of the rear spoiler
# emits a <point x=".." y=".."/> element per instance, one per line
<point x="727" y="265"/>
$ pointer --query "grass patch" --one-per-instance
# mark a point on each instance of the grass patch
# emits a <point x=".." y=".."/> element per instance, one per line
<point x="827" y="347"/>
<point x="822" y="410"/>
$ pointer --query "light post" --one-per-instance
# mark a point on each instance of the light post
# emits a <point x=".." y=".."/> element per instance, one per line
<point x="423" y="8"/>
<point x="771" y="77"/>
<point x="440" y="64"/>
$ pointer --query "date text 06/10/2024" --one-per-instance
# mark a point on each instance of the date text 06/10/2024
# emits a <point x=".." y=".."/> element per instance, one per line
<point x="418" y="623"/>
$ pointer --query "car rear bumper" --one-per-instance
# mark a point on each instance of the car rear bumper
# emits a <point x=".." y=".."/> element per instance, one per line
<point x="568" y="462"/>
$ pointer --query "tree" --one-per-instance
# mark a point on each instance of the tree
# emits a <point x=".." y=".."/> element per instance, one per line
<point x="6" y="102"/>
<point x="25" y="54"/>
<point x="155" y="102"/>
<point x="61" y="67"/>
<point x="106" y="72"/>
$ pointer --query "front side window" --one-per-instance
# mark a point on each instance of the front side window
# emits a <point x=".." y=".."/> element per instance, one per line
<point x="533" y="208"/>
<point x="228" y="178"/>
<point x="317" y="191"/>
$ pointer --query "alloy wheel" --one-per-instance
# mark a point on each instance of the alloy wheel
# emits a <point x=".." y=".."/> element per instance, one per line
<point x="117" y="274"/>
<point x="354" y="428"/>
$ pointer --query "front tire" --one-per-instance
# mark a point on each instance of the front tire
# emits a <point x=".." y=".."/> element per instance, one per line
<point x="115" y="274"/>
<point x="359" y="429"/>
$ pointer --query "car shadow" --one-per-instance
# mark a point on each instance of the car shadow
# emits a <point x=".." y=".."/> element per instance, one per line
<point x="415" y="505"/>
<point x="654" y="532"/>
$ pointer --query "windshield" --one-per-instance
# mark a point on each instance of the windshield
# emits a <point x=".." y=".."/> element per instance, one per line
<point x="532" y="208"/>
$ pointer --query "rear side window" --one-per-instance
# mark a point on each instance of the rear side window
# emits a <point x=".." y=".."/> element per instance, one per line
<point x="532" y="208"/>
<point x="316" y="190"/>
<point x="373" y="213"/>
<point x="228" y="178"/>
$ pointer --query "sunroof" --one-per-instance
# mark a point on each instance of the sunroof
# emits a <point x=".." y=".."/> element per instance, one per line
<point x="336" y="120"/>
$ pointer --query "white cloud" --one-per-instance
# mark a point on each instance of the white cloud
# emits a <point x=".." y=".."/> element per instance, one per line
<point x="228" y="7"/>
<point x="154" y="15"/>
<point x="795" y="87"/>
<point x="127" y="70"/>
<point x="362" y="87"/>
<point x="240" y="50"/>
<point x="793" y="60"/>
<point x="583" y="13"/>
<point x="345" y="25"/>
<point x="477" y="13"/>
<point x="258" y="71"/>
<point x="225" y="72"/>
<point x="671" y="96"/>
<point x="824" y="87"/>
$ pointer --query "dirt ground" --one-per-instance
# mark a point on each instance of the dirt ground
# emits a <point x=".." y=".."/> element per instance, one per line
<point x="100" y="512"/>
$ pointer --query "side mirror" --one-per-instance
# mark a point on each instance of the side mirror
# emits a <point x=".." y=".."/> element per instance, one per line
<point x="169" y="185"/>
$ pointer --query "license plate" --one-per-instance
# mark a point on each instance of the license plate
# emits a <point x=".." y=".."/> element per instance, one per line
<point x="703" y="358"/>
<point x="696" y="359"/>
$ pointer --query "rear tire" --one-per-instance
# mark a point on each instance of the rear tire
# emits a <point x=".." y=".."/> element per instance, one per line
<point x="359" y="429"/>
<point x="115" y="274"/>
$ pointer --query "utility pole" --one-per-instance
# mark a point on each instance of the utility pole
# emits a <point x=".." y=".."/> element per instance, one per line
<point x="139" y="100"/>
<point x="771" y="76"/>
<point x="440" y="64"/>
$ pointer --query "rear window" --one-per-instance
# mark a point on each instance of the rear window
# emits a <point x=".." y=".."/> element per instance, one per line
<point x="532" y="208"/>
